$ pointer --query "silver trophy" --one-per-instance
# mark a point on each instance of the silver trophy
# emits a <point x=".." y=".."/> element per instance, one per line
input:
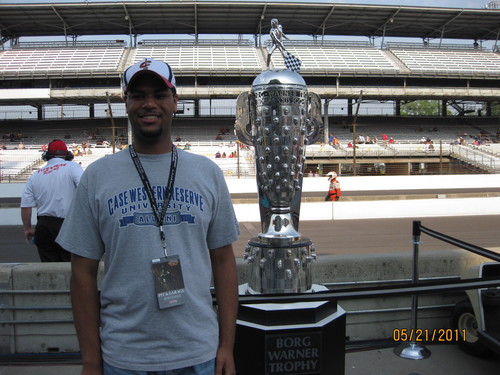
<point x="279" y="117"/>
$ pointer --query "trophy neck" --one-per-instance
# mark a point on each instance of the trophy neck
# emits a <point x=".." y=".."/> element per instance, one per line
<point x="280" y="225"/>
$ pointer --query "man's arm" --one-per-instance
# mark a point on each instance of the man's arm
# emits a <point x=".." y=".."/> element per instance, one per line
<point x="86" y="312"/>
<point x="29" y="232"/>
<point x="226" y="293"/>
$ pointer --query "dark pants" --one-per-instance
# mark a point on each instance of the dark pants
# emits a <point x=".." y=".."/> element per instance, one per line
<point x="46" y="230"/>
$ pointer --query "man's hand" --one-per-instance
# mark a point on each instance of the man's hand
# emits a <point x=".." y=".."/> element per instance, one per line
<point x="224" y="364"/>
<point x="29" y="234"/>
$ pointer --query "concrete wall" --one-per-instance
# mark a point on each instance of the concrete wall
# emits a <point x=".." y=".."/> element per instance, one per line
<point x="36" y="315"/>
<point x="345" y="210"/>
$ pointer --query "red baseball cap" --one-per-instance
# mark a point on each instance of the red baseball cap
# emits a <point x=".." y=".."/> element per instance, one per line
<point x="57" y="147"/>
<point x="159" y="68"/>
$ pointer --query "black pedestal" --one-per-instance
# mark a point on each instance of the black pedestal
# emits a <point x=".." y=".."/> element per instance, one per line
<point x="291" y="338"/>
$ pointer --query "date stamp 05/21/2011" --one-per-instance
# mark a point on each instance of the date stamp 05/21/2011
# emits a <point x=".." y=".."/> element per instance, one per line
<point x="429" y="335"/>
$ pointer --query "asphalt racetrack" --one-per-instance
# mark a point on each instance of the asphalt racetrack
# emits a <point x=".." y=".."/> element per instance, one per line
<point x="330" y="237"/>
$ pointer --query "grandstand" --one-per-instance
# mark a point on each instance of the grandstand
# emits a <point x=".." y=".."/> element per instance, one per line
<point x="46" y="74"/>
<point x="50" y="60"/>
<point x="448" y="59"/>
<point x="217" y="58"/>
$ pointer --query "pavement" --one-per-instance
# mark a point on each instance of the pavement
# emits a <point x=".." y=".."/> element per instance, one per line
<point x="364" y="236"/>
<point x="330" y="237"/>
<point x="444" y="359"/>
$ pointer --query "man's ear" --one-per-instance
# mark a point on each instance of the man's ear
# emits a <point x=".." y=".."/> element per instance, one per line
<point x="176" y="100"/>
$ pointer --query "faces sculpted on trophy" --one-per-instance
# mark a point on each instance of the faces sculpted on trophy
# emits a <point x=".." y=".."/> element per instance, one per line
<point x="279" y="117"/>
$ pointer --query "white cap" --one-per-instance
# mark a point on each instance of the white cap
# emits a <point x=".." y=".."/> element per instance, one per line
<point x="332" y="174"/>
<point x="159" y="68"/>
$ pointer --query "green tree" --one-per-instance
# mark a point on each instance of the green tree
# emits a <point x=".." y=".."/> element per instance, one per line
<point x="422" y="108"/>
<point x="495" y="109"/>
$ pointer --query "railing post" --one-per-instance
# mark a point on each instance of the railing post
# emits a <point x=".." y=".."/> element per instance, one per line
<point x="413" y="349"/>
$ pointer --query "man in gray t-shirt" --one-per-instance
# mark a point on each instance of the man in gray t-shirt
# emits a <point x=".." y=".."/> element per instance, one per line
<point x="162" y="221"/>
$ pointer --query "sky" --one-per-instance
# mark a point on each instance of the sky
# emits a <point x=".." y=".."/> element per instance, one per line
<point x="431" y="3"/>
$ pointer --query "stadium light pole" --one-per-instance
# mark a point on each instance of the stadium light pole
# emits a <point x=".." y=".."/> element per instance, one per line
<point x="326" y="125"/>
<point x="354" y="133"/>
<point x="113" y="135"/>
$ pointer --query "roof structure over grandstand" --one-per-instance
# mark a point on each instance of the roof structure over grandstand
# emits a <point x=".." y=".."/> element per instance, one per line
<point x="89" y="71"/>
<point x="245" y="17"/>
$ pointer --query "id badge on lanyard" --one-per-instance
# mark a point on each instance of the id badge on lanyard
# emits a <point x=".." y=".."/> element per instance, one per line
<point x="167" y="272"/>
<point x="168" y="280"/>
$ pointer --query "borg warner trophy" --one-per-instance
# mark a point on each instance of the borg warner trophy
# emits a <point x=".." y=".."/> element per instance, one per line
<point x="279" y="117"/>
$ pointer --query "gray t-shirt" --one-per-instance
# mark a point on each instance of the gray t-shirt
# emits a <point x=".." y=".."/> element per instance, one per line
<point x="111" y="217"/>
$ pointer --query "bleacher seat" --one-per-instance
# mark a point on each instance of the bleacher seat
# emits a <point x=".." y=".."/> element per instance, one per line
<point x="203" y="58"/>
<point x="335" y="59"/>
<point x="14" y="161"/>
<point x="58" y="61"/>
<point x="449" y="61"/>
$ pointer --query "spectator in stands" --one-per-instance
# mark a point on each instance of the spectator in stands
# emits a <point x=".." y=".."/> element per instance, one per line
<point x="330" y="139"/>
<point x="336" y="142"/>
<point x="50" y="190"/>
<point x="380" y="167"/>
<point x="151" y="208"/>
<point x="334" y="191"/>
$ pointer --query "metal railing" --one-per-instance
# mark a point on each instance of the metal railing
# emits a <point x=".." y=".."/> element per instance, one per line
<point x="476" y="157"/>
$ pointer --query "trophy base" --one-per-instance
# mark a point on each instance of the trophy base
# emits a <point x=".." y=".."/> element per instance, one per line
<point x="244" y="289"/>
<point x="279" y="265"/>
<point x="291" y="338"/>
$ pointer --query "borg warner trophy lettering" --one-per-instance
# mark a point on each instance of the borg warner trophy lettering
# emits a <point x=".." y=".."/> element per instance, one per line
<point x="278" y="118"/>
<point x="293" y="354"/>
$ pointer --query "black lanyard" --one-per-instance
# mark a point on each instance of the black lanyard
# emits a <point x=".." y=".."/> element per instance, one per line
<point x="160" y="216"/>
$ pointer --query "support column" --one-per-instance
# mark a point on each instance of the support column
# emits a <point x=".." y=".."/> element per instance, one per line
<point x="443" y="108"/>
<point x="326" y="124"/>
<point x="488" y="108"/>
<point x="197" y="108"/>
